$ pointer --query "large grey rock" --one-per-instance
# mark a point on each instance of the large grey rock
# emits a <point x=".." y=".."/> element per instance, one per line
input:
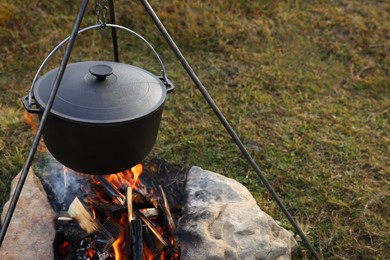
<point x="221" y="220"/>
<point x="31" y="232"/>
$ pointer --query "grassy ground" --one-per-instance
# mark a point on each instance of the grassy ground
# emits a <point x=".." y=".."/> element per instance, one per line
<point x="304" y="83"/>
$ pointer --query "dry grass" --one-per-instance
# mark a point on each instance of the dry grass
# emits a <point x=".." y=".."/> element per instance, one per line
<point x="304" y="83"/>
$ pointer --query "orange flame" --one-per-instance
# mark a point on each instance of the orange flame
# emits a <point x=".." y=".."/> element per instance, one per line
<point x="128" y="178"/>
<point x="117" y="246"/>
<point x="120" y="181"/>
<point x="92" y="210"/>
<point x="136" y="170"/>
<point x="118" y="243"/>
<point x="28" y="118"/>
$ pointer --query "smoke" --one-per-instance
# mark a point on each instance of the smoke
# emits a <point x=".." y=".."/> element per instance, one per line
<point x="61" y="183"/>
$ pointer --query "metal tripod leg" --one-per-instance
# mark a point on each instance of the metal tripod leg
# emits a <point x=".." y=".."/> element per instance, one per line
<point x="38" y="135"/>
<point x="226" y="124"/>
<point x="113" y="30"/>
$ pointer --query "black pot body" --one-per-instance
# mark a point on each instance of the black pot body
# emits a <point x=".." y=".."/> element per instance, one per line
<point x="101" y="148"/>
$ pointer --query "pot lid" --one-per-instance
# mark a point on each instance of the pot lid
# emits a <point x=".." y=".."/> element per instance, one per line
<point x="102" y="92"/>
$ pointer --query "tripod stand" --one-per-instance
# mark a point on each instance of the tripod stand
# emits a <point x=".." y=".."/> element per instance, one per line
<point x="196" y="81"/>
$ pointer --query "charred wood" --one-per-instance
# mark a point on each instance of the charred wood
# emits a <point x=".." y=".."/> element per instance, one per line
<point x="103" y="208"/>
<point x="152" y="228"/>
<point x="144" y="201"/>
<point x="128" y="247"/>
<point x="114" y="228"/>
<point x="114" y="192"/>
<point x="136" y="239"/>
<point x="151" y="242"/>
<point x="167" y="213"/>
<point x="74" y="235"/>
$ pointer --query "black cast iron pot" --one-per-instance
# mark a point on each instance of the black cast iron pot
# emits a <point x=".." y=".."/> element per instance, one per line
<point x="105" y="116"/>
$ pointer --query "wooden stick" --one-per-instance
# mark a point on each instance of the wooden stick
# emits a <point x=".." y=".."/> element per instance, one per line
<point x="111" y="189"/>
<point x="167" y="211"/>
<point x="144" y="201"/>
<point x="128" y="231"/>
<point x="152" y="228"/>
<point x="129" y="202"/>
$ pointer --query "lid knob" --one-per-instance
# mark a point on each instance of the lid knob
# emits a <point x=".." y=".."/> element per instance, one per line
<point x="101" y="71"/>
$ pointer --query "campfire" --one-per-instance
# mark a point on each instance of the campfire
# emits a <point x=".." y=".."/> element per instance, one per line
<point x="118" y="216"/>
<point x="132" y="215"/>
<point x="215" y="216"/>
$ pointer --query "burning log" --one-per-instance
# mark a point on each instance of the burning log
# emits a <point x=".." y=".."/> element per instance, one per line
<point x="168" y="216"/>
<point x="114" y="228"/>
<point x="114" y="192"/>
<point x="71" y="231"/>
<point x="133" y="230"/>
<point x="128" y="247"/>
<point x="144" y="201"/>
<point x="89" y="224"/>
<point x="152" y="243"/>
<point x="136" y="238"/>
<point x="152" y="228"/>
<point x="103" y="208"/>
<point x="169" y="220"/>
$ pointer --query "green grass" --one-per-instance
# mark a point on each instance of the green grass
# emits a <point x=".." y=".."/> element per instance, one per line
<point x="304" y="84"/>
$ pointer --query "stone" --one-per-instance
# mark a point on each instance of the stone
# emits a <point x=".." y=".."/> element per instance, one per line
<point x="221" y="220"/>
<point x="31" y="232"/>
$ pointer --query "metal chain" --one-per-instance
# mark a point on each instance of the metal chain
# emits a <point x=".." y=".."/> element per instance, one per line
<point x="101" y="11"/>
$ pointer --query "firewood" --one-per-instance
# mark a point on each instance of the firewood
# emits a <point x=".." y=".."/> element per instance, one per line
<point x="103" y="208"/>
<point x="128" y="247"/>
<point x="92" y="226"/>
<point x="113" y="191"/>
<point x="84" y="218"/>
<point x="152" y="243"/>
<point x="128" y="232"/>
<point x="114" y="228"/>
<point x="129" y="203"/>
<point x="136" y="239"/>
<point x="168" y="218"/>
<point x="166" y="210"/>
<point x="152" y="228"/>
<point x="144" y="201"/>
<point x="72" y="233"/>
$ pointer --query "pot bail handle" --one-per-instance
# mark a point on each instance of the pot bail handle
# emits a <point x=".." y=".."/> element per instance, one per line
<point x="167" y="83"/>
